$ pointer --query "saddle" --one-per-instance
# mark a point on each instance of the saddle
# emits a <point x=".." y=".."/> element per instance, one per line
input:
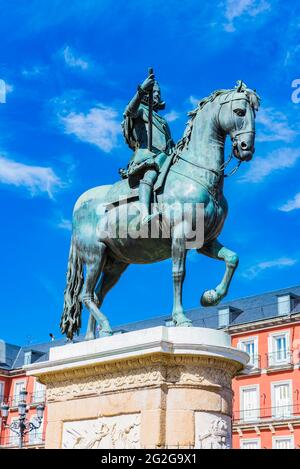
<point x="133" y="193"/>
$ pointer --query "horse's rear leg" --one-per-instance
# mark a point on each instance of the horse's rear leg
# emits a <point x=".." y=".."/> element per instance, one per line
<point x="178" y="271"/>
<point x="111" y="274"/>
<point x="217" y="251"/>
<point x="94" y="269"/>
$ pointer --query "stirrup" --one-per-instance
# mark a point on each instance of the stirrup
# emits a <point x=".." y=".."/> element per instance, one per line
<point x="148" y="218"/>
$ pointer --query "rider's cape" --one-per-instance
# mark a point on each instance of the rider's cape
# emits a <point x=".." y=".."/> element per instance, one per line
<point x="135" y="129"/>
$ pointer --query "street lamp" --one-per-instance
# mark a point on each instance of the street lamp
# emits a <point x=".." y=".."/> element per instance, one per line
<point x="22" y="426"/>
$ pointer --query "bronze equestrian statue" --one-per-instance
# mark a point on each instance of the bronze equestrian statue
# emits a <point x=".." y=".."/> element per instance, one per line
<point x="195" y="175"/>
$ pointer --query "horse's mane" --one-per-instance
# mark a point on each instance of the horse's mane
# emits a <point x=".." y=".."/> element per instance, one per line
<point x="253" y="97"/>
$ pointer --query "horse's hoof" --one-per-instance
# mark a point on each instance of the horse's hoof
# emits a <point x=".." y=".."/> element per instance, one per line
<point x="90" y="337"/>
<point x="210" y="298"/>
<point x="105" y="333"/>
<point x="184" y="323"/>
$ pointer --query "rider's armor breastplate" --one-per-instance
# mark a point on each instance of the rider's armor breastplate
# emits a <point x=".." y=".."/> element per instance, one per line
<point x="161" y="134"/>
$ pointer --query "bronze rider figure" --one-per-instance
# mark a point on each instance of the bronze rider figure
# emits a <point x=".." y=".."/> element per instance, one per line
<point x="149" y="136"/>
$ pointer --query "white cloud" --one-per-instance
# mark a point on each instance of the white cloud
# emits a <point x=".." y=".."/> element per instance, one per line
<point x="278" y="160"/>
<point x="9" y="88"/>
<point x="275" y="126"/>
<point x="99" y="126"/>
<point x="36" y="179"/>
<point x="73" y="60"/>
<point x="172" y="116"/>
<point x="279" y="263"/>
<point x="64" y="224"/>
<point x="292" y="204"/>
<point x="194" y="101"/>
<point x="35" y="71"/>
<point x="237" y="8"/>
<point x="5" y="89"/>
<point x="291" y="55"/>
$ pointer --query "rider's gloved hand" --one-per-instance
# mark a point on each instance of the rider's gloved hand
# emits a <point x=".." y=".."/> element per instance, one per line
<point x="148" y="84"/>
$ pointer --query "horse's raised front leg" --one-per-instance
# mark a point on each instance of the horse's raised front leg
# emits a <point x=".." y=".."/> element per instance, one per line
<point x="178" y="271"/>
<point x="94" y="268"/>
<point x="217" y="251"/>
<point x="111" y="274"/>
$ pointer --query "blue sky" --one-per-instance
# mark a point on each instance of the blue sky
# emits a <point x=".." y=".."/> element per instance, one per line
<point x="70" y="67"/>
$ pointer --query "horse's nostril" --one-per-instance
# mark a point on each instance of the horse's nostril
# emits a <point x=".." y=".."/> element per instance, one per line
<point x="244" y="146"/>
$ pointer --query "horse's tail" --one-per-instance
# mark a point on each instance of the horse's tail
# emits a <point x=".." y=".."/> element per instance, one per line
<point x="71" y="316"/>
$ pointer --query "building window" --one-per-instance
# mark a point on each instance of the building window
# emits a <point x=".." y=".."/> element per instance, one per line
<point x="224" y="317"/>
<point x="279" y="345"/>
<point x="39" y="392"/>
<point x="250" y="443"/>
<point x="283" y="442"/>
<point x="36" y="435"/>
<point x="281" y="399"/>
<point x="14" y="439"/>
<point x="19" y="386"/>
<point x="1" y="391"/>
<point x="250" y="346"/>
<point x="249" y="407"/>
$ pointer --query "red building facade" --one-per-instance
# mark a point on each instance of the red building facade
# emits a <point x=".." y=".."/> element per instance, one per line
<point x="13" y="380"/>
<point x="267" y="400"/>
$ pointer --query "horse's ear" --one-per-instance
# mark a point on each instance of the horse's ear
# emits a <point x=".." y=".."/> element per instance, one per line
<point x="240" y="86"/>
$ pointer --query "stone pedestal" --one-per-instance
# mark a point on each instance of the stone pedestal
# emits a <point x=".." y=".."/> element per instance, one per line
<point x="159" y="387"/>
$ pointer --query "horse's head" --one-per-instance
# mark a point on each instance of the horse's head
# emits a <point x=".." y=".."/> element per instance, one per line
<point x="237" y="118"/>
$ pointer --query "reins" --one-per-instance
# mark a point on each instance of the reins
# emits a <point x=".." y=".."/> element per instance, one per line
<point x="216" y="172"/>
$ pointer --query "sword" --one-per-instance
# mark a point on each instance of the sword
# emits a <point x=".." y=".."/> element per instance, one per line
<point x="150" y="117"/>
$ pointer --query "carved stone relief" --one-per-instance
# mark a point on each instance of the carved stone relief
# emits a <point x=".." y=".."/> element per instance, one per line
<point x="120" y="432"/>
<point x="212" y="431"/>
<point x="138" y="374"/>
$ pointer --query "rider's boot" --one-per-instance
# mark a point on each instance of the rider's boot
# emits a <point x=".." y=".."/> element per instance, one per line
<point x="145" y="192"/>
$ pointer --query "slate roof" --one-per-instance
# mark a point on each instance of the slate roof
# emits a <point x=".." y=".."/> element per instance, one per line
<point x="251" y="309"/>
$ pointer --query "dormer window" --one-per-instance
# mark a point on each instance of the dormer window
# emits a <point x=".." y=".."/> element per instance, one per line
<point x="227" y="315"/>
<point x="286" y="303"/>
<point x="27" y="357"/>
<point x="2" y="352"/>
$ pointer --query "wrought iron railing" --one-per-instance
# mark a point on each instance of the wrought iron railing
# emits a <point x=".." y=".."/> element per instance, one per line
<point x="12" y="441"/>
<point x="280" y="358"/>
<point x="281" y="412"/>
<point x="255" y="362"/>
<point x="32" y="398"/>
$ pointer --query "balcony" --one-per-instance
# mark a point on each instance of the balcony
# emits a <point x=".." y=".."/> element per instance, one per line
<point x="281" y="359"/>
<point x="262" y="414"/>
<point x="38" y="397"/>
<point x="12" y="442"/>
<point x="254" y="365"/>
<point x="32" y="399"/>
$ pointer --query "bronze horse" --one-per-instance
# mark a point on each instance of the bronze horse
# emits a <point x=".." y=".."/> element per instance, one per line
<point x="196" y="176"/>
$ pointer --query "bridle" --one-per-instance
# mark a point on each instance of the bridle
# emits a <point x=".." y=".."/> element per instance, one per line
<point x="237" y="131"/>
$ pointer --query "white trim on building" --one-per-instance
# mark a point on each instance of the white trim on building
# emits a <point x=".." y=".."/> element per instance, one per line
<point x="250" y="345"/>
<point x="250" y="443"/>
<point x="283" y="442"/>
<point x="282" y="399"/>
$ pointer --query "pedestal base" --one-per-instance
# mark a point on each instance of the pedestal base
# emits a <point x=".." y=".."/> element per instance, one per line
<point x="159" y="387"/>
